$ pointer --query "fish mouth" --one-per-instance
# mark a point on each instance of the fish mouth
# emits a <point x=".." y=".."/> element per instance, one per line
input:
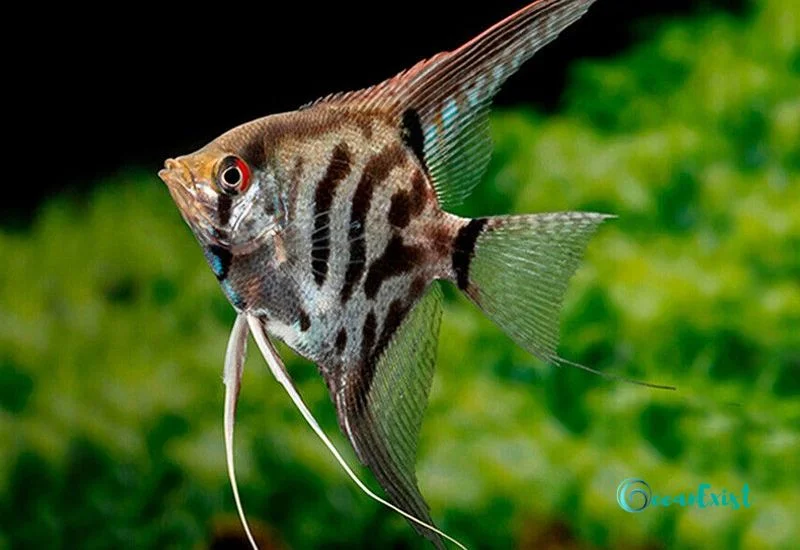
<point x="175" y="174"/>
<point x="181" y="185"/>
<point x="179" y="180"/>
<point x="197" y="209"/>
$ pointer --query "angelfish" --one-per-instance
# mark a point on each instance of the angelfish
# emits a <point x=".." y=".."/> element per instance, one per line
<point x="327" y="228"/>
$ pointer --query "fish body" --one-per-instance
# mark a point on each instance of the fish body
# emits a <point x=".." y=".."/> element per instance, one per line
<point x="327" y="228"/>
<point x="362" y="234"/>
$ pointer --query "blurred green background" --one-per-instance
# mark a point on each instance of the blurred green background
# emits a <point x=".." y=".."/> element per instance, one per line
<point x="113" y="330"/>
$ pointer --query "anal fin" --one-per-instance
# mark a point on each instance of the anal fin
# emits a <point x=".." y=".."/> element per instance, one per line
<point x="282" y="376"/>
<point x="381" y="405"/>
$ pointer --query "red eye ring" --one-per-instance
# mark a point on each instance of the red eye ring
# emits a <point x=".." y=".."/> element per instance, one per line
<point x="234" y="175"/>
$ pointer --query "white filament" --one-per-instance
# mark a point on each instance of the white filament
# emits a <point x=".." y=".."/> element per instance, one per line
<point x="280" y="373"/>
<point x="232" y="377"/>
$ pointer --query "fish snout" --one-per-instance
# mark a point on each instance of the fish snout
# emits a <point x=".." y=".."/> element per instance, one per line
<point x="174" y="172"/>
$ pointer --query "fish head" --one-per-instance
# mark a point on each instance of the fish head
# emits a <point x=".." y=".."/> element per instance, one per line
<point x="226" y="200"/>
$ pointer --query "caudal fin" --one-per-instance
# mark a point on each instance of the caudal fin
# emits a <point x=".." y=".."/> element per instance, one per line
<point x="517" y="269"/>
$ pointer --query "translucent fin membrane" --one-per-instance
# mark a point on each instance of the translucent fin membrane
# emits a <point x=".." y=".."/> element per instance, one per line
<point x="444" y="101"/>
<point x="520" y="272"/>
<point x="382" y="419"/>
<point x="280" y="373"/>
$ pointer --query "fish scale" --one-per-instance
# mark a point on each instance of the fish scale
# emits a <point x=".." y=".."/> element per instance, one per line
<point x="346" y="198"/>
<point x="327" y="228"/>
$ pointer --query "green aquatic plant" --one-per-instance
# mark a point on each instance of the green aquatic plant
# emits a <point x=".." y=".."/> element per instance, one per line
<point x="112" y="332"/>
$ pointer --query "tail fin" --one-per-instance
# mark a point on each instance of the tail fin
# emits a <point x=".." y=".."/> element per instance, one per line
<point x="517" y="268"/>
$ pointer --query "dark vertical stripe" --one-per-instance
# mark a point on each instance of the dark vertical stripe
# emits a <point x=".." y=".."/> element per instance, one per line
<point x="341" y="341"/>
<point x="305" y="322"/>
<point x="396" y="259"/>
<point x="219" y="259"/>
<point x="338" y="170"/>
<point x="255" y="151"/>
<point x="400" y="209"/>
<point x="408" y="204"/>
<point x="355" y="267"/>
<point x="412" y="134"/>
<point x="464" y="248"/>
<point x="419" y="194"/>
<point x="368" y="333"/>
<point x="370" y="353"/>
<point x="224" y="205"/>
<point x="394" y="316"/>
<point x="375" y="172"/>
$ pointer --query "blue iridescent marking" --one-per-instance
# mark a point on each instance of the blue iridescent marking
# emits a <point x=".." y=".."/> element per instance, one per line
<point x="431" y="134"/>
<point x="498" y="73"/>
<point x="449" y="113"/>
<point x="214" y="261"/>
<point x="233" y="296"/>
<point x="474" y="96"/>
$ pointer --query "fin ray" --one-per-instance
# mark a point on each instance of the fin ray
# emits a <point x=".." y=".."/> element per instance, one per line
<point x="526" y="300"/>
<point x="382" y="417"/>
<point x="519" y="272"/>
<point x="451" y="93"/>
<point x="278" y="370"/>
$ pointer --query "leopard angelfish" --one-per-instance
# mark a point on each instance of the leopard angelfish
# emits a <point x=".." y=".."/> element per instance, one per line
<point x="328" y="228"/>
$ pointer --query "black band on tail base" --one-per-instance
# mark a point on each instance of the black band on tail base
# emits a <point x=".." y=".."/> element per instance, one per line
<point x="464" y="248"/>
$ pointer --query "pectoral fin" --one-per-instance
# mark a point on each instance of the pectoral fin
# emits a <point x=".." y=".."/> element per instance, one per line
<point x="232" y="377"/>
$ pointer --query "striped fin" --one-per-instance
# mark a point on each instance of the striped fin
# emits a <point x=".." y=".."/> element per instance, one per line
<point x="282" y="376"/>
<point x="517" y="268"/>
<point x="442" y="104"/>
<point x="381" y="404"/>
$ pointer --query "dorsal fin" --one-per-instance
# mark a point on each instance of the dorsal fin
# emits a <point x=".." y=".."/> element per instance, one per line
<point x="442" y="104"/>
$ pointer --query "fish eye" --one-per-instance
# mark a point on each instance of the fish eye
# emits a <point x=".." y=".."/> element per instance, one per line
<point x="233" y="175"/>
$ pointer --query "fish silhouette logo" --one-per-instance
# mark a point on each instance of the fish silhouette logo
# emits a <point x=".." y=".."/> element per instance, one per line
<point x="634" y="495"/>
